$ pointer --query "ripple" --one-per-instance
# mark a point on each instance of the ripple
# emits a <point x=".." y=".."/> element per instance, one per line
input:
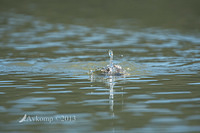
<point x="193" y="117"/>
<point x="59" y="91"/>
<point x="36" y="80"/>
<point x="143" y="80"/>
<point x="141" y="108"/>
<point x="184" y="128"/>
<point x="141" y="96"/>
<point x="7" y="86"/>
<point x="98" y="93"/>
<point x="104" y="93"/>
<point x="166" y="120"/>
<point x="194" y="83"/>
<point x="102" y="89"/>
<point x="89" y="88"/>
<point x="35" y="100"/>
<point x="156" y="84"/>
<point x="132" y="88"/>
<point x="29" y="87"/>
<point x="96" y="102"/>
<point x="3" y="109"/>
<point x="2" y="93"/>
<point x="167" y="93"/>
<point x="38" y="92"/>
<point x="173" y="100"/>
<point x="59" y="85"/>
<point x="6" y="81"/>
<point x="56" y="88"/>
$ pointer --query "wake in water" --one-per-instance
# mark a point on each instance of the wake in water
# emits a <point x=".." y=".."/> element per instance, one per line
<point x="111" y="69"/>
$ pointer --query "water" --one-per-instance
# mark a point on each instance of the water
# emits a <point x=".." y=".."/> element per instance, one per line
<point x="45" y="73"/>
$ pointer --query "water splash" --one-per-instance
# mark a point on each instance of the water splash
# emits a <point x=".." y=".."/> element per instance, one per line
<point x="111" y="69"/>
<point x="111" y="57"/>
<point x="111" y="61"/>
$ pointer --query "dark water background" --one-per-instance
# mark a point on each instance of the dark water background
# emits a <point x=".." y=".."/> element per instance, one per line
<point x="48" y="47"/>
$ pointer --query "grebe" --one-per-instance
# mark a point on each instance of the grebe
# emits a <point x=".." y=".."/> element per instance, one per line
<point x="111" y="69"/>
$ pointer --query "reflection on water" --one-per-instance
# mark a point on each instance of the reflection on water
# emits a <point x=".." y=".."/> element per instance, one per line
<point x="44" y="72"/>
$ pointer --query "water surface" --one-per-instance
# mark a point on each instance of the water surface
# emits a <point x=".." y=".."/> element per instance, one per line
<point x="44" y="73"/>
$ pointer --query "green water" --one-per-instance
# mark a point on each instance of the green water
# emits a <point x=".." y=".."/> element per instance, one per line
<point x="47" y="49"/>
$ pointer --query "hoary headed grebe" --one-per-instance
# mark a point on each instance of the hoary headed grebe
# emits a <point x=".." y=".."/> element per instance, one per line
<point x="110" y="69"/>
